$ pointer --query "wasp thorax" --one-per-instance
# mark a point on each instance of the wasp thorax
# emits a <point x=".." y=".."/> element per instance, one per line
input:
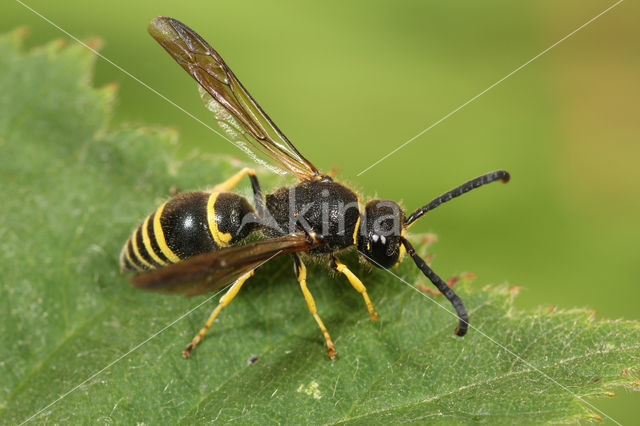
<point x="379" y="237"/>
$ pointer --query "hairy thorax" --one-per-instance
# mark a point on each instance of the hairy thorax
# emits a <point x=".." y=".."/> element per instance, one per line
<point x="323" y="208"/>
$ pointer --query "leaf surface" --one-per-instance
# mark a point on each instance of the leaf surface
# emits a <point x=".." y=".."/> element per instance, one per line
<point x="72" y="191"/>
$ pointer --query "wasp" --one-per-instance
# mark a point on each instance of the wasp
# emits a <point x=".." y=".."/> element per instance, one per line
<point x="196" y="242"/>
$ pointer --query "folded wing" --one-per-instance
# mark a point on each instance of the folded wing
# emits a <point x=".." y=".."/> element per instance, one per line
<point x="209" y="271"/>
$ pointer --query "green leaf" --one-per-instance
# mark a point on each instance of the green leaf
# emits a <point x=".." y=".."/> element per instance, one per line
<point x="72" y="191"/>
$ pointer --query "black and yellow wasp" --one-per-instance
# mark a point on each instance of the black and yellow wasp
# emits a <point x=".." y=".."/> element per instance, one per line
<point x="190" y="244"/>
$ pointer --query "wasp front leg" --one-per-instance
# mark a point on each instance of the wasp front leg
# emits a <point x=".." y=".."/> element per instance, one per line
<point x="356" y="283"/>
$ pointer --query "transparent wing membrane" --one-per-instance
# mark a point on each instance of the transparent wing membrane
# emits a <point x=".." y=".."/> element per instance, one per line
<point x="238" y="114"/>
<point x="235" y="132"/>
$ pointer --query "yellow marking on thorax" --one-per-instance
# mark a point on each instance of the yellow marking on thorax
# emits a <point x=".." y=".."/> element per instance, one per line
<point x="159" y="234"/>
<point x="147" y="242"/>
<point x="221" y="238"/>
<point x="136" y="250"/>
<point x="355" y="231"/>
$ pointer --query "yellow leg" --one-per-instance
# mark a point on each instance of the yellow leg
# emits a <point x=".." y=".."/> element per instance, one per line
<point x="224" y="301"/>
<point x="228" y="184"/>
<point x="357" y="284"/>
<point x="301" y="272"/>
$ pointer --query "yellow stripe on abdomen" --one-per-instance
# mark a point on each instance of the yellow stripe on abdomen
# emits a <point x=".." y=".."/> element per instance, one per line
<point x="147" y="243"/>
<point x="126" y="262"/>
<point x="136" y="250"/>
<point x="159" y="234"/>
<point x="222" y="239"/>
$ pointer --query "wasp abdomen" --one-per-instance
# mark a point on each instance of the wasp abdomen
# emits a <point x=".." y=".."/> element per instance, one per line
<point x="187" y="225"/>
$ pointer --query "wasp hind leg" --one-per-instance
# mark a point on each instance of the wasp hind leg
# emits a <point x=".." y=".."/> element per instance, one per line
<point x="301" y="273"/>
<point x="333" y="171"/>
<point x="356" y="283"/>
<point x="230" y="183"/>
<point x="224" y="301"/>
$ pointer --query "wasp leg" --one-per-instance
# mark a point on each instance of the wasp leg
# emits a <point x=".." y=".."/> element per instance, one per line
<point x="301" y="273"/>
<point x="230" y="183"/>
<point x="333" y="171"/>
<point x="174" y="190"/>
<point x="356" y="283"/>
<point x="224" y="301"/>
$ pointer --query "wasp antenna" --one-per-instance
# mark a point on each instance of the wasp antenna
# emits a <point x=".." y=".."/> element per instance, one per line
<point x="501" y="175"/>
<point x="463" y="316"/>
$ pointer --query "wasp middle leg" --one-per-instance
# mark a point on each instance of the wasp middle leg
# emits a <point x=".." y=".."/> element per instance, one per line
<point x="301" y="273"/>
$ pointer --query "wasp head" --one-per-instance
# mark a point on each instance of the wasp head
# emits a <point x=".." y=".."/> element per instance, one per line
<point x="379" y="237"/>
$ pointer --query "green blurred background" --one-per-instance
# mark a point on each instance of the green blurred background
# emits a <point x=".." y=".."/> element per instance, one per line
<point x="350" y="81"/>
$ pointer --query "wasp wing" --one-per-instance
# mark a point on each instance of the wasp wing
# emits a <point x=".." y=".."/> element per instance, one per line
<point x="209" y="271"/>
<point x="238" y="114"/>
